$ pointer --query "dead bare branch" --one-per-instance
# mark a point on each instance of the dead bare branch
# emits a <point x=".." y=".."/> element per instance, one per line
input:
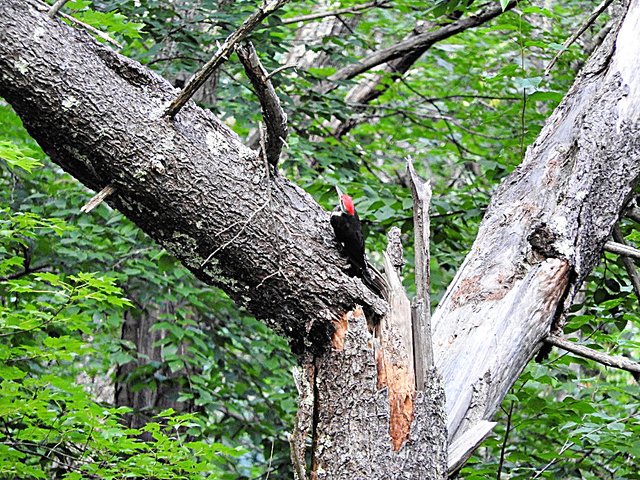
<point x="56" y="7"/>
<point x="615" y="361"/>
<point x="621" y="249"/>
<point x="98" y="198"/>
<point x="569" y="41"/>
<point x="420" y="42"/>
<point x="421" y="192"/>
<point x="223" y="52"/>
<point x="629" y="264"/>
<point x="335" y="13"/>
<point x="274" y="116"/>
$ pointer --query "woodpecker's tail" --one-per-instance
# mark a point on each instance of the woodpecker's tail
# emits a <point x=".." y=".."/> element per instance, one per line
<point x="373" y="279"/>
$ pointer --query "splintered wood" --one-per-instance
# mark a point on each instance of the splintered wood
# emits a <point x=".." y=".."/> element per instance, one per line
<point x="398" y="374"/>
<point x="341" y="326"/>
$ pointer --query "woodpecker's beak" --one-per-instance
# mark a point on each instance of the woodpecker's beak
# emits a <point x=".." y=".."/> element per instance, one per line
<point x="339" y="192"/>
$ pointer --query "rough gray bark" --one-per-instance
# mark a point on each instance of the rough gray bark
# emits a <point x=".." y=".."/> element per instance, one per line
<point x="192" y="186"/>
<point x="189" y="183"/>
<point x="352" y="440"/>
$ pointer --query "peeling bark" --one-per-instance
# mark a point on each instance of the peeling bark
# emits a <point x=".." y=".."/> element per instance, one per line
<point x="352" y="435"/>
<point x="543" y="233"/>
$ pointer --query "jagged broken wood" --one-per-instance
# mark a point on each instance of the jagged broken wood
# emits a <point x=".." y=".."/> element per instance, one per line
<point x="464" y="446"/>
<point x="396" y="371"/>
<point x="98" y="198"/>
<point x="353" y="432"/>
<point x="541" y="237"/>
<point x="421" y="309"/>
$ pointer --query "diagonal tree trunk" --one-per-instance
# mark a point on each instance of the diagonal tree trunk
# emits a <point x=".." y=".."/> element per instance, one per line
<point x="193" y="187"/>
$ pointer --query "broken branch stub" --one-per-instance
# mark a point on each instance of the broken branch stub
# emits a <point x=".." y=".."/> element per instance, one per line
<point x="396" y="341"/>
<point x="421" y="193"/>
<point x="223" y="52"/>
<point x="274" y="116"/>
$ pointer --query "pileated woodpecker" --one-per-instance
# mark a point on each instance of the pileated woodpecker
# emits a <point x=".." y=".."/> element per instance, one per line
<point x="346" y="225"/>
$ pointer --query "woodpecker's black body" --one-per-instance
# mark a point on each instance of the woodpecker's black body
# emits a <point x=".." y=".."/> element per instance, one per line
<point x="348" y="230"/>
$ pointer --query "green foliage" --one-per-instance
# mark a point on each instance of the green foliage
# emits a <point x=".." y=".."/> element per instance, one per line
<point x="51" y="426"/>
<point x="465" y="112"/>
<point x="60" y="325"/>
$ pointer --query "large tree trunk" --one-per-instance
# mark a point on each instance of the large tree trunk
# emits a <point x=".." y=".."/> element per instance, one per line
<point x="193" y="187"/>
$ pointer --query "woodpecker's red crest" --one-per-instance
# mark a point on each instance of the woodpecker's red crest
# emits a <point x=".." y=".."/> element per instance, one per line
<point x="346" y="204"/>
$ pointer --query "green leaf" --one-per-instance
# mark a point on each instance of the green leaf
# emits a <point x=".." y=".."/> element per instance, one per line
<point x="18" y="157"/>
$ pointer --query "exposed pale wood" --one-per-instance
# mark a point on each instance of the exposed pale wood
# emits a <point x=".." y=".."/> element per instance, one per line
<point x="397" y="350"/>
<point x="541" y="235"/>
<point x="352" y="438"/>
<point x="615" y="361"/>
<point x="463" y="447"/>
<point x="421" y="192"/>
<point x="98" y="198"/>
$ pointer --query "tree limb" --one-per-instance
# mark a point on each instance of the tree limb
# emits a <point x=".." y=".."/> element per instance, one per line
<point x="628" y="263"/>
<point x="223" y="52"/>
<point x="190" y="184"/>
<point x="615" y="361"/>
<point x="420" y="42"/>
<point x="586" y="24"/>
<point x="56" y="7"/>
<point x="621" y="249"/>
<point x="421" y="193"/>
<point x="339" y="11"/>
<point x="274" y="116"/>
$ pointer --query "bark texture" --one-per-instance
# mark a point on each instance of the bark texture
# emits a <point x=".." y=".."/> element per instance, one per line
<point x="193" y="187"/>
<point x="352" y="440"/>
<point x="542" y="234"/>
<point x="189" y="183"/>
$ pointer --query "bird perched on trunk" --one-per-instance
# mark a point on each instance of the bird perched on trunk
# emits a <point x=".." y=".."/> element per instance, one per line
<point x="348" y="230"/>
